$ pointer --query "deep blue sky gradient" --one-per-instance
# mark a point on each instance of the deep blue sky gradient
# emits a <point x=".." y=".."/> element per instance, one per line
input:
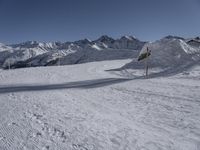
<point x="69" y="20"/>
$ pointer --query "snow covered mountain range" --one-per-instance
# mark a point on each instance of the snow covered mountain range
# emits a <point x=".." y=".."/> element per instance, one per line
<point x="32" y="53"/>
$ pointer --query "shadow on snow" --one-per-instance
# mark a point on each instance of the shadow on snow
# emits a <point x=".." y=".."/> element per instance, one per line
<point x="89" y="83"/>
<point x="79" y="84"/>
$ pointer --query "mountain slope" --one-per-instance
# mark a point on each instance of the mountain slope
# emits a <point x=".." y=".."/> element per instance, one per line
<point x="168" y="53"/>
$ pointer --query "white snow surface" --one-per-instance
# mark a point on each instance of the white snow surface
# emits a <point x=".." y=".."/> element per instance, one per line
<point x="95" y="46"/>
<point x="84" y="107"/>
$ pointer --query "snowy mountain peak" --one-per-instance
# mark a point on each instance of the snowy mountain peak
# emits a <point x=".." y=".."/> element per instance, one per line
<point x="27" y="44"/>
<point x="127" y="37"/>
<point x="105" y="38"/>
<point x="83" y="42"/>
<point x="194" y="42"/>
<point x="197" y="38"/>
<point x="30" y="43"/>
<point x="4" y="47"/>
<point x="37" y="45"/>
<point x="88" y="40"/>
<point x="173" y="37"/>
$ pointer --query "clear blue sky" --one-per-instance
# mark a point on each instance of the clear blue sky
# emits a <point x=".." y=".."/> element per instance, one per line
<point x="69" y="20"/>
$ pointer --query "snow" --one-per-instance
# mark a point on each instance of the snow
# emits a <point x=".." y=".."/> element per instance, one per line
<point x="129" y="37"/>
<point x="85" y="107"/>
<point x="187" y="48"/>
<point x="104" y="45"/>
<point x="95" y="46"/>
<point x="4" y="47"/>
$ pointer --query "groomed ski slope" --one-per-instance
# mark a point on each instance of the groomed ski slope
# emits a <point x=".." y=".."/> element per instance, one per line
<point x="84" y="107"/>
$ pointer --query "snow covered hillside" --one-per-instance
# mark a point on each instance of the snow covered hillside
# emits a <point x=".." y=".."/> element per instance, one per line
<point x="84" y="107"/>
<point x="33" y="53"/>
<point x="169" y="54"/>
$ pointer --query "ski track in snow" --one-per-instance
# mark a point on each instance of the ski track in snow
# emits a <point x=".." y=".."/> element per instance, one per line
<point x="141" y="114"/>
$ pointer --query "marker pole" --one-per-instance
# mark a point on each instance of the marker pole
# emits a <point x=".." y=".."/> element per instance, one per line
<point x="146" y="63"/>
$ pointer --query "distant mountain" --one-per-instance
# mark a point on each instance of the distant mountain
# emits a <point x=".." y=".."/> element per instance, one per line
<point x="166" y="52"/>
<point x="33" y="53"/>
<point x="195" y="42"/>
<point x="4" y="47"/>
<point x="125" y="42"/>
<point x="173" y="37"/>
